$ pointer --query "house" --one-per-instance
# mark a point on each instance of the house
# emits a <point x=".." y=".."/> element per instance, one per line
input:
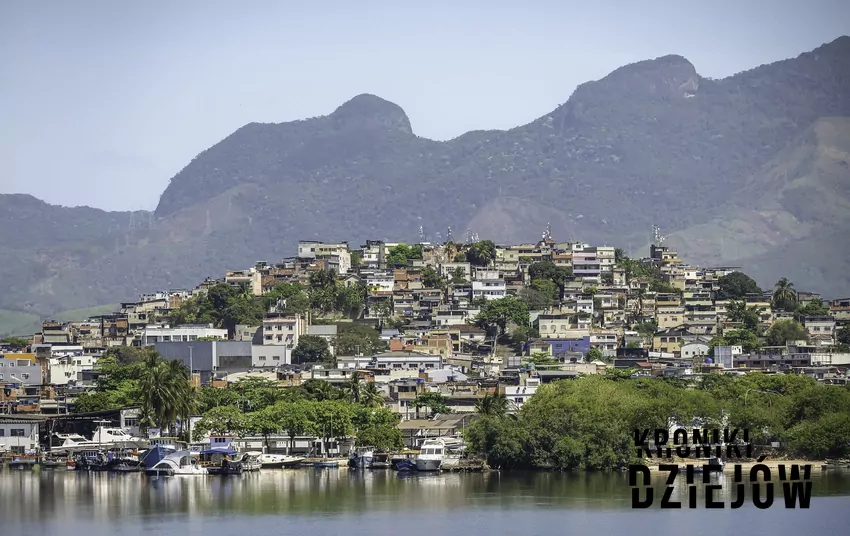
<point x="607" y="342"/>
<point x="337" y="254"/>
<point x="820" y="329"/>
<point x="209" y="357"/>
<point x="250" y="278"/>
<point x="281" y="329"/>
<point x="487" y="284"/>
<point x="518" y="395"/>
<point x="20" y="370"/>
<point x="19" y="434"/>
<point x="328" y="332"/>
<point x="694" y="349"/>
<point x="670" y="340"/>
<point x="556" y="347"/>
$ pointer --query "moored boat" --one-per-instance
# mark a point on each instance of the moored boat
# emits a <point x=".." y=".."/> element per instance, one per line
<point x="431" y="454"/>
<point x="277" y="461"/>
<point x="361" y="457"/>
<point x="330" y="464"/>
<point x="181" y="463"/>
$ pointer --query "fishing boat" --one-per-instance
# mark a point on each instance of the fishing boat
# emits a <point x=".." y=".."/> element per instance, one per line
<point x="181" y="463"/>
<point x="277" y="461"/>
<point x="25" y="461"/>
<point x="361" y="457"/>
<point x="330" y="464"/>
<point x="160" y="447"/>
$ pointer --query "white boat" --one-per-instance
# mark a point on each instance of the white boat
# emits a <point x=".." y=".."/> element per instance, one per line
<point x="251" y="461"/>
<point x="361" y="457"/>
<point x="431" y="454"/>
<point x="276" y="461"/>
<point x="182" y="463"/>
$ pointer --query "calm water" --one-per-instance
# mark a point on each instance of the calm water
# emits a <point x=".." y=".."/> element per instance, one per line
<point x="321" y="501"/>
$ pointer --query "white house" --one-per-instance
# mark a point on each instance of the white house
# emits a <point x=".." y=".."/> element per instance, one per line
<point x="487" y="284"/>
<point x="518" y="395"/>
<point x="18" y="433"/>
<point x="694" y="349"/>
<point x="62" y="370"/>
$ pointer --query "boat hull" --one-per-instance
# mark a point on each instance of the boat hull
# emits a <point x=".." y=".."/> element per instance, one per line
<point x="428" y="465"/>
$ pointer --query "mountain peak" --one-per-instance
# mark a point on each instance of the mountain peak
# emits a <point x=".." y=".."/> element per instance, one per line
<point x="372" y="110"/>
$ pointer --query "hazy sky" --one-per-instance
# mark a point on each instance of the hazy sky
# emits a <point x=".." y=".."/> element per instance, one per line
<point x="102" y="102"/>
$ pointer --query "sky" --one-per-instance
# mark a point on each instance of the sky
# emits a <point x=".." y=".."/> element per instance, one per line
<point x="102" y="102"/>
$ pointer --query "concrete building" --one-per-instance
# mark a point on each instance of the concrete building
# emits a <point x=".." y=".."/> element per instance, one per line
<point x="280" y="329"/>
<point x="21" y="372"/>
<point x="252" y="278"/>
<point x="183" y="333"/>
<point x="338" y="253"/>
<point x="488" y="284"/>
<point x="209" y="357"/>
<point x="68" y="369"/>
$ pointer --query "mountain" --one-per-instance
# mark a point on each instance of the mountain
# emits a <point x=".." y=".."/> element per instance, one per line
<point x="651" y="143"/>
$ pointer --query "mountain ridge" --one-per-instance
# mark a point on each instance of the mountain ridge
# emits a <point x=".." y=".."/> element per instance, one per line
<point x="652" y="142"/>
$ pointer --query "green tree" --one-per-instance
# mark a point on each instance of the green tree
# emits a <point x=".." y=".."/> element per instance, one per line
<point x="264" y="422"/>
<point x="815" y="307"/>
<point x="430" y="278"/>
<point x="492" y="405"/>
<point x="744" y="338"/>
<point x="785" y="330"/>
<point x="291" y="294"/>
<point x="549" y="271"/>
<point x="735" y="286"/>
<point x="297" y="418"/>
<point x="311" y="349"/>
<point x="481" y="253"/>
<point x="435" y="401"/>
<point x="537" y="299"/>
<point x="594" y="354"/>
<point x="496" y="314"/>
<point x="220" y="421"/>
<point x="784" y="295"/>
<point x="737" y="311"/>
<point x="377" y="427"/>
<point x="165" y="392"/>
<point x="842" y="335"/>
<point x="459" y="276"/>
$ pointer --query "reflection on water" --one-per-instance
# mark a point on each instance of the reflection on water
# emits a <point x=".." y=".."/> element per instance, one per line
<point x="79" y="499"/>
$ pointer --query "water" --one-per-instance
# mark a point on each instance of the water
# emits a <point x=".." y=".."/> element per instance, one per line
<point x="315" y="502"/>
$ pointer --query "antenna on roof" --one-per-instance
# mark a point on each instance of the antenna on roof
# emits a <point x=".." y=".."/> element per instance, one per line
<point x="449" y="235"/>
<point x="657" y="238"/>
<point x="421" y="234"/>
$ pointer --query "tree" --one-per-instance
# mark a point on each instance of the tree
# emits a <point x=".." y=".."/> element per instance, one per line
<point x="459" y="276"/>
<point x="356" y="260"/>
<point x="165" y="392"/>
<point x="546" y="288"/>
<point x="784" y="295"/>
<point x="377" y="427"/>
<point x="430" y="278"/>
<point x="815" y="307"/>
<point x="737" y="311"/>
<point x="370" y="396"/>
<point x="785" y="330"/>
<point x="400" y="255"/>
<point x="289" y="296"/>
<point x="536" y="299"/>
<point x="549" y="271"/>
<point x="353" y="338"/>
<point x="842" y="336"/>
<point x="311" y="349"/>
<point x="481" y="253"/>
<point x="435" y="401"/>
<point x="736" y="285"/>
<point x="744" y="338"/>
<point x="496" y="314"/>
<point x="264" y="422"/>
<point x="539" y="359"/>
<point x="220" y="421"/>
<point x="382" y="309"/>
<point x="492" y="405"/>
<point x="297" y="418"/>
<point x="594" y="354"/>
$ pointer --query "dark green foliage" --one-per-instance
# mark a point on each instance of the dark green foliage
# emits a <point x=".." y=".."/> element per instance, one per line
<point x="311" y="349"/>
<point x="496" y="314"/>
<point x="736" y="285"/>
<point x="813" y="308"/>
<point x="589" y="423"/>
<point x="15" y="343"/>
<point x="745" y="338"/>
<point x="482" y="253"/>
<point x="785" y="330"/>
<point x="353" y="338"/>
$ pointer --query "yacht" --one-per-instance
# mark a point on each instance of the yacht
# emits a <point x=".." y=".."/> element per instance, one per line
<point x="181" y="463"/>
<point x="276" y="461"/>
<point x="361" y="457"/>
<point x="431" y="454"/>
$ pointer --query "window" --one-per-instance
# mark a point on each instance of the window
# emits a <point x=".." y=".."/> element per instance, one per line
<point x="17" y="432"/>
<point x="276" y="358"/>
<point x="262" y="358"/>
<point x="26" y="375"/>
<point x="2" y="432"/>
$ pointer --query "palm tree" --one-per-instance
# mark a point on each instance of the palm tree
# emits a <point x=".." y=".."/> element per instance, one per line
<point x="492" y="405"/>
<point x="165" y="392"/>
<point x="354" y="388"/>
<point x="371" y="397"/>
<point x="784" y="295"/>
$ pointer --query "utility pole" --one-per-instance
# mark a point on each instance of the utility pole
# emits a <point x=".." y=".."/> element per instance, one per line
<point x="192" y="383"/>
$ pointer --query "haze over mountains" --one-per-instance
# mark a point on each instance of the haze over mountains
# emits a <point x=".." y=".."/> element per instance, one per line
<point x="750" y="170"/>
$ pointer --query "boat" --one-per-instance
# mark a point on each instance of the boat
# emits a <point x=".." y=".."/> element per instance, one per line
<point x="404" y="461"/>
<point x="332" y="464"/>
<point x="431" y="454"/>
<point x="712" y="462"/>
<point x="361" y="457"/>
<point x="221" y="461"/>
<point x="53" y="463"/>
<point x="381" y="461"/>
<point x="276" y="461"/>
<point x="181" y="463"/>
<point x="251" y="461"/>
<point x="23" y="462"/>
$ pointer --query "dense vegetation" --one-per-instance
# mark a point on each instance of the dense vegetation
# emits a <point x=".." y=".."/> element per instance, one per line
<point x="649" y="135"/>
<point x="589" y="423"/>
